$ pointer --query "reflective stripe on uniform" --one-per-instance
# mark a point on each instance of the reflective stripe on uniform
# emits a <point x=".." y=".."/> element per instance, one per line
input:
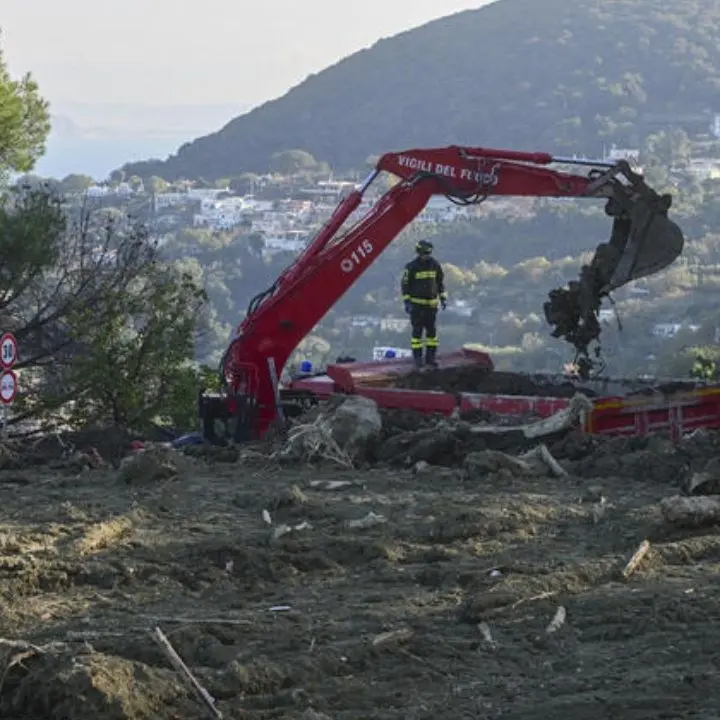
<point x="424" y="301"/>
<point x="416" y="343"/>
<point x="426" y="275"/>
<point x="431" y="342"/>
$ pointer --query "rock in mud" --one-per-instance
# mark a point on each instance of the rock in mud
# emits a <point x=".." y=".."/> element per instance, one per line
<point x="707" y="481"/>
<point x="355" y="424"/>
<point x="148" y="466"/>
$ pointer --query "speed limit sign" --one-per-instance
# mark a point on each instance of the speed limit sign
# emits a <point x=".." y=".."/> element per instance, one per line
<point x="8" y="387"/>
<point x="8" y="351"/>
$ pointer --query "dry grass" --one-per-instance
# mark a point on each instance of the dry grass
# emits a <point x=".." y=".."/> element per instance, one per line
<point x="104" y="535"/>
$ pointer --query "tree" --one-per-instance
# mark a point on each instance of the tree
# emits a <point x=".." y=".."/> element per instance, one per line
<point x="136" y="184"/>
<point x="75" y="183"/>
<point x="136" y="368"/>
<point x="291" y="162"/>
<point x="243" y="184"/>
<point x="24" y="123"/>
<point x="70" y="282"/>
<point x="668" y="149"/>
<point x="156" y="184"/>
<point x="117" y="177"/>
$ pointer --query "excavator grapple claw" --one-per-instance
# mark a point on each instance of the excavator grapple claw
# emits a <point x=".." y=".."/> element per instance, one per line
<point x="643" y="242"/>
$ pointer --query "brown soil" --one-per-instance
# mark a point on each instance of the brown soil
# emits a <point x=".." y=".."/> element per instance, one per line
<point x="92" y="561"/>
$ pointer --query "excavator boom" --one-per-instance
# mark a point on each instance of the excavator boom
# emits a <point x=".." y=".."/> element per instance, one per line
<point x="643" y="241"/>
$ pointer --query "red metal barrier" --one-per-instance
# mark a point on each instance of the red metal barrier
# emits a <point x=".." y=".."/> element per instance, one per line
<point x="423" y="401"/>
<point x="672" y="415"/>
<point x="322" y="386"/>
<point x="517" y="405"/>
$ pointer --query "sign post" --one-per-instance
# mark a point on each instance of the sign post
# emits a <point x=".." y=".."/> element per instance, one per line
<point x="8" y="377"/>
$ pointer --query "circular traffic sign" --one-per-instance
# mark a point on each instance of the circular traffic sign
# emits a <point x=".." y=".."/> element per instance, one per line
<point x="8" y="387"/>
<point x="8" y="351"/>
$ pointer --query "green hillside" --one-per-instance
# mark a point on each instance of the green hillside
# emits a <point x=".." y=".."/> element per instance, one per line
<point x="557" y="75"/>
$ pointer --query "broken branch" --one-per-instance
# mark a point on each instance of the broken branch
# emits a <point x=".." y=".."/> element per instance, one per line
<point x="636" y="559"/>
<point x="177" y="662"/>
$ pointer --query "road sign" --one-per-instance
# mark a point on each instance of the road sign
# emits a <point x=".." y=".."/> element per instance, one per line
<point x="8" y="387"/>
<point x="8" y="351"/>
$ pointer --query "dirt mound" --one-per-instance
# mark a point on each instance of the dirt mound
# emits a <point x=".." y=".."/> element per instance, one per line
<point x="81" y="684"/>
<point x="478" y="380"/>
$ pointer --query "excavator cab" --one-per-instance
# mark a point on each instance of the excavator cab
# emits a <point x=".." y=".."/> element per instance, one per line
<point x="644" y="241"/>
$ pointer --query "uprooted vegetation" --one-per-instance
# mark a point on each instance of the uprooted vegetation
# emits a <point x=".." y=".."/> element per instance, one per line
<point x="491" y="586"/>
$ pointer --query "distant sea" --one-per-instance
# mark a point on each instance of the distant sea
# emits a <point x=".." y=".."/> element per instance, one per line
<point x="96" y="138"/>
<point x="98" y="157"/>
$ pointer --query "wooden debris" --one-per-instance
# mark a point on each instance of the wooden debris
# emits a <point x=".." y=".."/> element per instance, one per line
<point x="177" y="662"/>
<point x="314" y="441"/>
<point x="691" y="512"/>
<point x="542" y="453"/>
<point x="573" y="415"/>
<point x="484" y="629"/>
<point x="540" y="596"/>
<point x="330" y="484"/>
<point x="393" y="636"/>
<point x="558" y="621"/>
<point x="636" y="559"/>
<point x="370" y="520"/>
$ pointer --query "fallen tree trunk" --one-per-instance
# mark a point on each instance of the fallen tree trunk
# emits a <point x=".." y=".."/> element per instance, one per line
<point x="691" y="512"/>
<point x="572" y="416"/>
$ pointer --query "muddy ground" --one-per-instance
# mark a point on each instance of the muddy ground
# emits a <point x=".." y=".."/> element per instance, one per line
<point x="471" y="378"/>
<point x="92" y="561"/>
<point x="475" y="379"/>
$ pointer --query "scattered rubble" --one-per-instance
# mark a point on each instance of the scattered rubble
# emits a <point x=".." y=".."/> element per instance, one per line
<point x="343" y="432"/>
<point x="334" y="579"/>
<point x="272" y="587"/>
<point x="353" y="430"/>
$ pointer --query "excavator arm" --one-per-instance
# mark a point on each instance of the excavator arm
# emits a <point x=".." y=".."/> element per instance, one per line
<point x="643" y="242"/>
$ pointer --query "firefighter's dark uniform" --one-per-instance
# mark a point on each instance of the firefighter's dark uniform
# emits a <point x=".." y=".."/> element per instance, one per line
<point x="423" y="289"/>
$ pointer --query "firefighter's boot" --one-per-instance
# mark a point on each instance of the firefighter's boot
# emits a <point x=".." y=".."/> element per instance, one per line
<point x="430" y="357"/>
<point x="418" y="357"/>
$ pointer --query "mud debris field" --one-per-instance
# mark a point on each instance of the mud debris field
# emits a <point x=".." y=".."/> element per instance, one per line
<point x="385" y="593"/>
<point x="472" y="378"/>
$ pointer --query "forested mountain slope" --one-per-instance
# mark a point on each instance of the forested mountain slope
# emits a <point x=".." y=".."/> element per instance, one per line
<point x="557" y="75"/>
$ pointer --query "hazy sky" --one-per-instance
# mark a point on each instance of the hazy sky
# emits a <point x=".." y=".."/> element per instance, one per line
<point x="182" y="52"/>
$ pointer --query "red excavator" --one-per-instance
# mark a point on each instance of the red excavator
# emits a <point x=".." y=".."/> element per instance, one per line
<point x="643" y="242"/>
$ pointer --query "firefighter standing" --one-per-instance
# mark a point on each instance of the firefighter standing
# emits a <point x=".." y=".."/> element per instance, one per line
<point x="423" y="289"/>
